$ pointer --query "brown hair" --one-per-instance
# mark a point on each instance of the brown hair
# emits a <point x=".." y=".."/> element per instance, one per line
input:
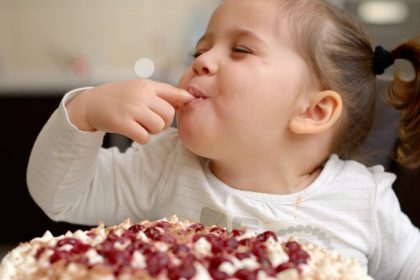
<point x="339" y="53"/>
<point x="405" y="96"/>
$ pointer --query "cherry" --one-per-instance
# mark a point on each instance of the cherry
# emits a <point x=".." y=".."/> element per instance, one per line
<point x="230" y="244"/>
<point x="292" y="246"/>
<point x="80" y="248"/>
<point x="243" y="255"/>
<point x="106" y="245"/>
<point x="167" y="238"/>
<point x="180" y="249"/>
<point x="284" y="266"/>
<point x="128" y="234"/>
<point x="112" y="236"/>
<point x="196" y="227"/>
<point x="58" y="255"/>
<point x="259" y="249"/>
<point x="136" y="228"/>
<point x="218" y="275"/>
<point x="237" y="232"/>
<point x="298" y="257"/>
<point x="184" y="271"/>
<point x="39" y="252"/>
<point x="218" y="230"/>
<point x="67" y="241"/>
<point x="295" y="252"/>
<point x="117" y="257"/>
<point x="144" y="248"/>
<point x="216" y="261"/>
<point x="152" y="232"/>
<point x="157" y="262"/>
<point x="217" y="245"/>
<point x="245" y="274"/>
<point x="265" y="235"/>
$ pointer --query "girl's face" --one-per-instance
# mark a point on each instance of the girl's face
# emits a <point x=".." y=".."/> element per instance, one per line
<point x="247" y="77"/>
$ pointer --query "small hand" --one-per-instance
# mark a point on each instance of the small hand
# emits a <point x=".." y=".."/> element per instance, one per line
<point x="135" y="108"/>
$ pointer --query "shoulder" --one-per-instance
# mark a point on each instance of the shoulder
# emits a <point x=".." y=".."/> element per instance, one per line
<point x="356" y="173"/>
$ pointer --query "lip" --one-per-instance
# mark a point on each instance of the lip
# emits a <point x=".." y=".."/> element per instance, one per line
<point x="196" y="92"/>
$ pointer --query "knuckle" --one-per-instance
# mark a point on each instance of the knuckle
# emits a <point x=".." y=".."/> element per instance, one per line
<point x="142" y="138"/>
<point x="169" y="116"/>
<point x="171" y="112"/>
<point x="158" y="127"/>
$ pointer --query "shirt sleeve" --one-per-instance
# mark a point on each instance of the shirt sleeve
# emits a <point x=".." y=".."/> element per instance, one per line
<point x="73" y="179"/>
<point x="396" y="253"/>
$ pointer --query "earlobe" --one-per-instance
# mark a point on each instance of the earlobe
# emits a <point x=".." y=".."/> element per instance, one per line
<point x="320" y="113"/>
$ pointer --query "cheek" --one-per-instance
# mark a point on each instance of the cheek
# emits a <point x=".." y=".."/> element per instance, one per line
<point x="185" y="78"/>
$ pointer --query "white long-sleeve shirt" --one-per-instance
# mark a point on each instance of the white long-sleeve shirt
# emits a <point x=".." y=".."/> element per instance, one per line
<point x="349" y="207"/>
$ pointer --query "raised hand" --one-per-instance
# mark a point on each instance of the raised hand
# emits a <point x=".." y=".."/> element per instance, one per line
<point x="134" y="108"/>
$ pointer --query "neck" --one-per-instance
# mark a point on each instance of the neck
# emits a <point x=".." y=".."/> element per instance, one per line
<point x="281" y="175"/>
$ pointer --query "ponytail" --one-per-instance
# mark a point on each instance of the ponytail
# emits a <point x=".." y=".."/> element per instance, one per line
<point x="405" y="96"/>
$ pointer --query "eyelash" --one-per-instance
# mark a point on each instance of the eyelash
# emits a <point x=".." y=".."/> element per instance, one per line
<point x="241" y="50"/>
<point x="194" y="55"/>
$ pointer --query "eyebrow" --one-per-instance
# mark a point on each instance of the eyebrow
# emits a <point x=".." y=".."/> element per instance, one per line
<point x="235" y="32"/>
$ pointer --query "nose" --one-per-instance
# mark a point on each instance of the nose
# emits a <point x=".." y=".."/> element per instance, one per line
<point x="205" y="64"/>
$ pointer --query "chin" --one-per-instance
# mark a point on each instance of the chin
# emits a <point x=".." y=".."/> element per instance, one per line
<point x="194" y="141"/>
<point x="189" y="138"/>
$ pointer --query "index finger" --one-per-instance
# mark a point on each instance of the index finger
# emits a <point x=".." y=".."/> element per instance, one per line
<point x="173" y="95"/>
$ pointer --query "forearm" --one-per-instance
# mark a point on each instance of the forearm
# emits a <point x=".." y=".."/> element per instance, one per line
<point x="62" y="164"/>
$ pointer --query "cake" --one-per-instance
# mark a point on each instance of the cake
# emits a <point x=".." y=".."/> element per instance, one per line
<point x="173" y="249"/>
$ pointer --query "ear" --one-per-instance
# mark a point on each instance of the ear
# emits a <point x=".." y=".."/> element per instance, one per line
<point x="321" y="111"/>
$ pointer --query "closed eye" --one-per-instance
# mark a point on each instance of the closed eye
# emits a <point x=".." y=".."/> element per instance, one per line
<point x="196" y="54"/>
<point x="241" y="50"/>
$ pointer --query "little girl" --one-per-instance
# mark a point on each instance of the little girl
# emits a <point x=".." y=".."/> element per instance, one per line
<point x="269" y="115"/>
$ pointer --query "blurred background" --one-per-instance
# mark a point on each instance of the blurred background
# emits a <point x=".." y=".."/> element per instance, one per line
<point x="48" y="47"/>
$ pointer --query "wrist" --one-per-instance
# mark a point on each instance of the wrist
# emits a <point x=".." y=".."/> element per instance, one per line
<point x="77" y="111"/>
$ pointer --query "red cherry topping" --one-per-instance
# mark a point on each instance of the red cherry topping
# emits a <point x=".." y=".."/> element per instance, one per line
<point x="67" y="241"/>
<point x="39" y="252"/>
<point x="180" y="249"/>
<point x="196" y="227"/>
<point x="157" y="262"/>
<point x="284" y="266"/>
<point x="152" y="232"/>
<point x="218" y="230"/>
<point x="136" y="228"/>
<point x="223" y="245"/>
<point x="296" y="254"/>
<point x="183" y="271"/>
<point x="238" y="232"/>
<point x="265" y="235"/>
<point x="243" y="255"/>
<point x="128" y="234"/>
<point x="167" y="238"/>
<point x="259" y="249"/>
<point x="218" y="275"/>
<point x="245" y="274"/>
<point x="58" y="255"/>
